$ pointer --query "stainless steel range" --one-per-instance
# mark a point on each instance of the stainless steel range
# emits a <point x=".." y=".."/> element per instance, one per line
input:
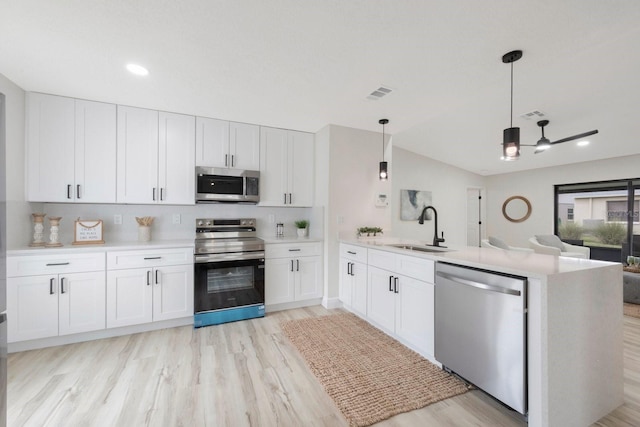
<point x="229" y="271"/>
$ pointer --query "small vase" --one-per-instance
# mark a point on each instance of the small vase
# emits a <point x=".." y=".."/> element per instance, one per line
<point x="302" y="232"/>
<point x="54" y="222"/>
<point x="144" y="233"/>
<point x="38" y="229"/>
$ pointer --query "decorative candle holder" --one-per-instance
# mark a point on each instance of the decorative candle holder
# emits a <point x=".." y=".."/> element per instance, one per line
<point x="54" y="222"/>
<point x="38" y="229"/>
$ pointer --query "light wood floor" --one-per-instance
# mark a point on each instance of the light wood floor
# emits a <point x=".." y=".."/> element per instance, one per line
<point x="237" y="374"/>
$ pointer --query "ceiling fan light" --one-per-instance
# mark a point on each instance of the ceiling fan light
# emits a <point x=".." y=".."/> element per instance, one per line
<point x="543" y="144"/>
<point x="511" y="144"/>
<point x="582" y="143"/>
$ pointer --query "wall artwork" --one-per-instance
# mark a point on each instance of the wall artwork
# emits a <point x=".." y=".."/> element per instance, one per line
<point x="412" y="202"/>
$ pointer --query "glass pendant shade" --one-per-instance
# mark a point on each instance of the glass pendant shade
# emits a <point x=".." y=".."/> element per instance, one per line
<point x="383" y="171"/>
<point x="511" y="144"/>
<point x="383" y="174"/>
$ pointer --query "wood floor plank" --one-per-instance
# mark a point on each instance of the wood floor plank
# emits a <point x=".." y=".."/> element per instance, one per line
<point x="237" y="374"/>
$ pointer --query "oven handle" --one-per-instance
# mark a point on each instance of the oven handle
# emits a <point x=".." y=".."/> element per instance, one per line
<point x="234" y="256"/>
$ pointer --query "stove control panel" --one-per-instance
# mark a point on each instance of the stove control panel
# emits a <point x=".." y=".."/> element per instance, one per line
<point x="211" y="222"/>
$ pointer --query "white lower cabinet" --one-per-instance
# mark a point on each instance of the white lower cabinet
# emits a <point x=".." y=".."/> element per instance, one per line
<point x="293" y="272"/>
<point x="154" y="291"/>
<point x="65" y="300"/>
<point x="353" y="278"/>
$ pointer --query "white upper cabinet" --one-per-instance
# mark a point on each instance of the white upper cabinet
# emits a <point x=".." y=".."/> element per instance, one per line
<point x="156" y="157"/>
<point x="223" y="144"/>
<point x="71" y="150"/>
<point x="286" y="168"/>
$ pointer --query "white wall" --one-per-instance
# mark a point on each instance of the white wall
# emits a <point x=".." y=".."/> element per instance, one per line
<point x="537" y="186"/>
<point x="354" y="156"/>
<point x="448" y="186"/>
<point x="18" y="211"/>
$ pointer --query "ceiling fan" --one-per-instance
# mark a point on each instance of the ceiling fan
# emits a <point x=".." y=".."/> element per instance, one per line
<point x="543" y="143"/>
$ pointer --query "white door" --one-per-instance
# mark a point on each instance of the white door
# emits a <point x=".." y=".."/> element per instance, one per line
<point x="474" y="216"/>
<point x="381" y="300"/>
<point x="244" y="146"/>
<point x="129" y="297"/>
<point x="82" y="302"/>
<point x="50" y="148"/>
<point x="172" y="292"/>
<point x="95" y="152"/>
<point x="273" y="167"/>
<point x="137" y="154"/>
<point x="176" y="156"/>
<point x="345" y="282"/>
<point x="309" y="272"/>
<point x="212" y="142"/>
<point x="359" y="284"/>
<point x="279" y="280"/>
<point x="32" y="306"/>
<point x="415" y="313"/>
<point x="301" y="168"/>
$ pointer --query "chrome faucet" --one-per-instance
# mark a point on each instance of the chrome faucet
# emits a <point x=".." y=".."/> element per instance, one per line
<point x="436" y="240"/>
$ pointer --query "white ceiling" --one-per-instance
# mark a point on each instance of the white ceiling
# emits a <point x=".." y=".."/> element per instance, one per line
<point x="303" y="64"/>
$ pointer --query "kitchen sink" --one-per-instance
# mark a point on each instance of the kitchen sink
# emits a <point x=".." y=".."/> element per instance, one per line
<point x="419" y="248"/>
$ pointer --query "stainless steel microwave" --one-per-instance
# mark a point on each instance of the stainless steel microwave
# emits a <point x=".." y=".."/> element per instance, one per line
<point x="227" y="185"/>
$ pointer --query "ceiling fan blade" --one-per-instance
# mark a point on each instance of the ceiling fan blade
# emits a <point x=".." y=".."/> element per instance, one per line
<point x="574" y="137"/>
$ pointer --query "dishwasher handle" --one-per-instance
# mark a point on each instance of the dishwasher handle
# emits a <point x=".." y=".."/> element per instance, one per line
<point x="479" y="285"/>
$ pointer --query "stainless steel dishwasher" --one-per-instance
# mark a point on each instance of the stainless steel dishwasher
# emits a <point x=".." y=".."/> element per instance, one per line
<point x="481" y="330"/>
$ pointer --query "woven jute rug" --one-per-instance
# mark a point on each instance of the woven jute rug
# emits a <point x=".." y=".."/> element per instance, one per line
<point x="632" y="310"/>
<point x="369" y="375"/>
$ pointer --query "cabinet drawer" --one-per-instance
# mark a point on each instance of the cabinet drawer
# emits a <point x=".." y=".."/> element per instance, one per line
<point x="417" y="268"/>
<point x="149" y="258"/>
<point x="353" y="253"/>
<point x="288" y="250"/>
<point x="30" y="265"/>
<point x="382" y="259"/>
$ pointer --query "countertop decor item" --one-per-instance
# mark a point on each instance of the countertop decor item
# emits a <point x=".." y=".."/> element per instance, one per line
<point x="54" y="222"/>
<point x="38" y="229"/>
<point x="88" y="232"/>
<point x="302" y="227"/>
<point x="369" y="231"/>
<point x="144" y="228"/>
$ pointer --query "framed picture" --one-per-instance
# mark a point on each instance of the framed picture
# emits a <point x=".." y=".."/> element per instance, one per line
<point x="88" y="232"/>
<point x="412" y="202"/>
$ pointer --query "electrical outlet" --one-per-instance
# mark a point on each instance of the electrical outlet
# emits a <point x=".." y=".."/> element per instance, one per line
<point x="176" y="218"/>
<point x="117" y="219"/>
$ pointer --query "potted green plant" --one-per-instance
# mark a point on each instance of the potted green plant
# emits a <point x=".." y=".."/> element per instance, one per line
<point x="302" y="227"/>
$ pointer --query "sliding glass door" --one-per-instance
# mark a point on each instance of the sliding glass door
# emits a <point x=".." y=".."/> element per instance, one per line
<point x="601" y="215"/>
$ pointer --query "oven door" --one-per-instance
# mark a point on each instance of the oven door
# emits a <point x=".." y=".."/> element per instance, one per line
<point x="228" y="283"/>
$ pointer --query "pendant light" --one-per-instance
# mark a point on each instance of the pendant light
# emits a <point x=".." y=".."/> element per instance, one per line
<point x="511" y="135"/>
<point x="384" y="173"/>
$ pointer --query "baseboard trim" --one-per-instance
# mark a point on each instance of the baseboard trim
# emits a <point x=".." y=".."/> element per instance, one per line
<point x="270" y="308"/>
<point x="331" y="303"/>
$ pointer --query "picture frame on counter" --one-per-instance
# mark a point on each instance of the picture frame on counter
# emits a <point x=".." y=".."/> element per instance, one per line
<point x="88" y="232"/>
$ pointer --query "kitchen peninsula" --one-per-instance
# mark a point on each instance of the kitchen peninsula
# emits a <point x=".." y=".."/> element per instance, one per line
<point x="574" y="320"/>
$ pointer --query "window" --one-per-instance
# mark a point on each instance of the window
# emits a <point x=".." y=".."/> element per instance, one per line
<point x="570" y="214"/>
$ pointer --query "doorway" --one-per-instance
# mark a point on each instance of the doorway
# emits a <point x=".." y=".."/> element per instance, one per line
<point x="475" y="216"/>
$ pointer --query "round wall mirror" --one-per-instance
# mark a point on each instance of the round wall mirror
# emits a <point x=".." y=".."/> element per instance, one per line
<point x="516" y="209"/>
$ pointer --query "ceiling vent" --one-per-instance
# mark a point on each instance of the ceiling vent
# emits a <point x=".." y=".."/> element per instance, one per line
<point x="535" y="114"/>
<point x="379" y="93"/>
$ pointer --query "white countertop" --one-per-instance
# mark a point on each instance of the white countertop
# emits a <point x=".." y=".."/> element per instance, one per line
<point x="511" y="262"/>
<point x="288" y="239"/>
<point x="109" y="246"/>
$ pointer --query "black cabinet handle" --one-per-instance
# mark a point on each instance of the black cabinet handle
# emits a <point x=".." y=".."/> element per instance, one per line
<point x="148" y="277"/>
<point x="290" y="198"/>
<point x="69" y="191"/>
<point x="390" y="284"/>
<point x="285" y="198"/>
<point x="51" y="286"/>
<point x="291" y="265"/>
<point x="294" y="250"/>
<point x="226" y="160"/>
<point x="349" y="268"/>
<point x="395" y="285"/>
<point x="153" y="257"/>
<point x="57" y="263"/>
<point x="157" y="281"/>
<point x="297" y="265"/>
<point x="62" y="285"/>
<point x="161" y="193"/>
<point x="232" y="161"/>
<point x="351" y="252"/>
<point x="154" y="194"/>
<point x="78" y="191"/>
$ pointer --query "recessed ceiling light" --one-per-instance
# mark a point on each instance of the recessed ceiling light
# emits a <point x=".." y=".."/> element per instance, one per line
<point x="582" y="143"/>
<point x="138" y="70"/>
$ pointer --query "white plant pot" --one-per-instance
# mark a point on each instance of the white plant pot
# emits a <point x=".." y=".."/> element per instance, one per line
<point x="302" y="232"/>
<point x="144" y="233"/>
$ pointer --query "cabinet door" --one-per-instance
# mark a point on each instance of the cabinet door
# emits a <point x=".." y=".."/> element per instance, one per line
<point x="300" y="157"/>
<point x="173" y="292"/>
<point x="309" y="278"/>
<point x="137" y="158"/>
<point x="177" y="146"/>
<point x="129" y="297"/>
<point x="359" y="287"/>
<point x="32" y="307"/>
<point x="345" y="282"/>
<point x="81" y="302"/>
<point x="381" y="300"/>
<point x="50" y="148"/>
<point x="273" y="167"/>
<point x="95" y="152"/>
<point x="415" y="313"/>
<point x="279" y="280"/>
<point x="244" y="146"/>
<point x="212" y="143"/>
